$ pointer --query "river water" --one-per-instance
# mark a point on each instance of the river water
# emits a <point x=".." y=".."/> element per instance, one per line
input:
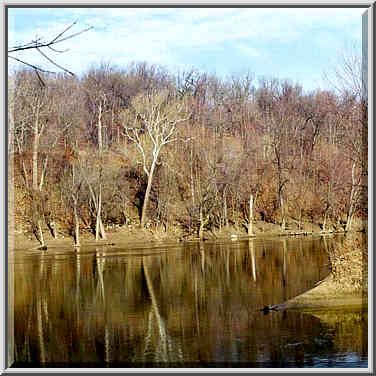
<point x="192" y="305"/>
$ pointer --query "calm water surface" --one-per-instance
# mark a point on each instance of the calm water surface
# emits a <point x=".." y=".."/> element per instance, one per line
<point x="195" y="305"/>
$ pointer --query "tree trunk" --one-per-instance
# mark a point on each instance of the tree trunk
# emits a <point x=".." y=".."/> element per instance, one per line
<point x="192" y="190"/>
<point x="283" y="225"/>
<point x="97" y="224"/>
<point x="100" y="143"/>
<point x="147" y="193"/>
<point x="41" y="238"/>
<point x="76" y="226"/>
<point x="35" y="158"/>
<point x="192" y="181"/>
<point x="201" y="228"/>
<point x="351" y="200"/>
<point x="43" y="173"/>
<point x="99" y="228"/>
<point x="25" y="174"/>
<point x="97" y="207"/>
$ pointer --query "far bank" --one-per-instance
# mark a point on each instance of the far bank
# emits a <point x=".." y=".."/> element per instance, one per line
<point x="346" y="284"/>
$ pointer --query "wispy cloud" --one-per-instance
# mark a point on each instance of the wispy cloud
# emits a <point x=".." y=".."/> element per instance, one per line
<point x="219" y="39"/>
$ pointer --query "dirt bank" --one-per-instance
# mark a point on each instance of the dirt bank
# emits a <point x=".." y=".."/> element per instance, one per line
<point x="327" y="294"/>
<point x="20" y="235"/>
<point x="347" y="285"/>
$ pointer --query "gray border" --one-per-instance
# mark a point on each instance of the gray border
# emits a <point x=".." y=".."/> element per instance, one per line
<point x="8" y="282"/>
<point x="9" y="239"/>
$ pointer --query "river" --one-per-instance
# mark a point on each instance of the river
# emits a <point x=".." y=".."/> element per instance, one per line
<point x="186" y="305"/>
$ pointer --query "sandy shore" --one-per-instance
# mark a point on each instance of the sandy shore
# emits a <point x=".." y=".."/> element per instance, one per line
<point x="328" y="294"/>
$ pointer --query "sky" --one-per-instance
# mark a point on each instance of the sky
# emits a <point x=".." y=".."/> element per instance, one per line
<point x="299" y="44"/>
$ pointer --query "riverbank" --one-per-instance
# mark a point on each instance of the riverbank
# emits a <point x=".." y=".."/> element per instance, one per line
<point x="328" y="294"/>
<point x="346" y="285"/>
<point x="21" y="237"/>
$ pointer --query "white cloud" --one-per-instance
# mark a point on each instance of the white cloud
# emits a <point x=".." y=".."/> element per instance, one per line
<point x="173" y="36"/>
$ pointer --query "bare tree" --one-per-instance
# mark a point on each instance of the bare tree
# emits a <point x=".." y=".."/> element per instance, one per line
<point x="155" y="118"/>
<point x="72" y="186"/>
<point x="32" y="115"/>
<point x="347" y="75"/>
<point x="348" y="78"/>
<point x="97" y="96"/>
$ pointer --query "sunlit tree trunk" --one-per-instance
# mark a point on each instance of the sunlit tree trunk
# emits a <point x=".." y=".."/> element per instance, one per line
<point x="76" y="223"/>
<point x="201" y="228"/>
<point x="98" y="219"/>
<point x="147" y="192"/>
<point x="36" y="196"/>
<point x="35" y="155"/>
<point x="41" y="237"/>
<point x="97" y="202"/>
<point x="203" y="221"/>
<point x="251" y="215"/>
<point x="99" y="125"/>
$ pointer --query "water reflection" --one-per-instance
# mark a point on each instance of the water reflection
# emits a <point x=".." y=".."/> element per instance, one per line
<point x="198" y="304"/>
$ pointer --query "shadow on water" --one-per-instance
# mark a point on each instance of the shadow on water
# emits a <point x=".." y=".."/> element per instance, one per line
<point x="195" y="306"/>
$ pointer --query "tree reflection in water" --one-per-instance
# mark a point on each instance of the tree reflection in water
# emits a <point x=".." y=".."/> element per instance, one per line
<point x="195" y="304"/>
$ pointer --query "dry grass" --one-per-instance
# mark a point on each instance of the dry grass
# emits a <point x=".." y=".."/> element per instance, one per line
<point x="350" y="263"/>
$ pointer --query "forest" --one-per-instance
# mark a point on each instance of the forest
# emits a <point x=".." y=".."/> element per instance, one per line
<point x="142" y="146"/>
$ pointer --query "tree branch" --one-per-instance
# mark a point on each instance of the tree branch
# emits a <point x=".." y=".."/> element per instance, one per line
<point x="37" y="45"/>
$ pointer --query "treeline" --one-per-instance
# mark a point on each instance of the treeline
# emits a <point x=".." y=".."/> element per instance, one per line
<point x="119" y="146"/>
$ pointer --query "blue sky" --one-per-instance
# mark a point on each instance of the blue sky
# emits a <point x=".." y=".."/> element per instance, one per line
<point x="297" y="44"/>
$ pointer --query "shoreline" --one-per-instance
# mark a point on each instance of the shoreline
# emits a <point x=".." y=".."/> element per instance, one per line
<point x="347" y="284"/>
<point x="343" y="287"/>
<point x="23" y="240"/>
<point x="326" y="295"/>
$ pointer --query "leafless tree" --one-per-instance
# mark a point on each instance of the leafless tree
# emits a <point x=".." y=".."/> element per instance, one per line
<point x="155" y="118"/>
<point x="348" y="78"/>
